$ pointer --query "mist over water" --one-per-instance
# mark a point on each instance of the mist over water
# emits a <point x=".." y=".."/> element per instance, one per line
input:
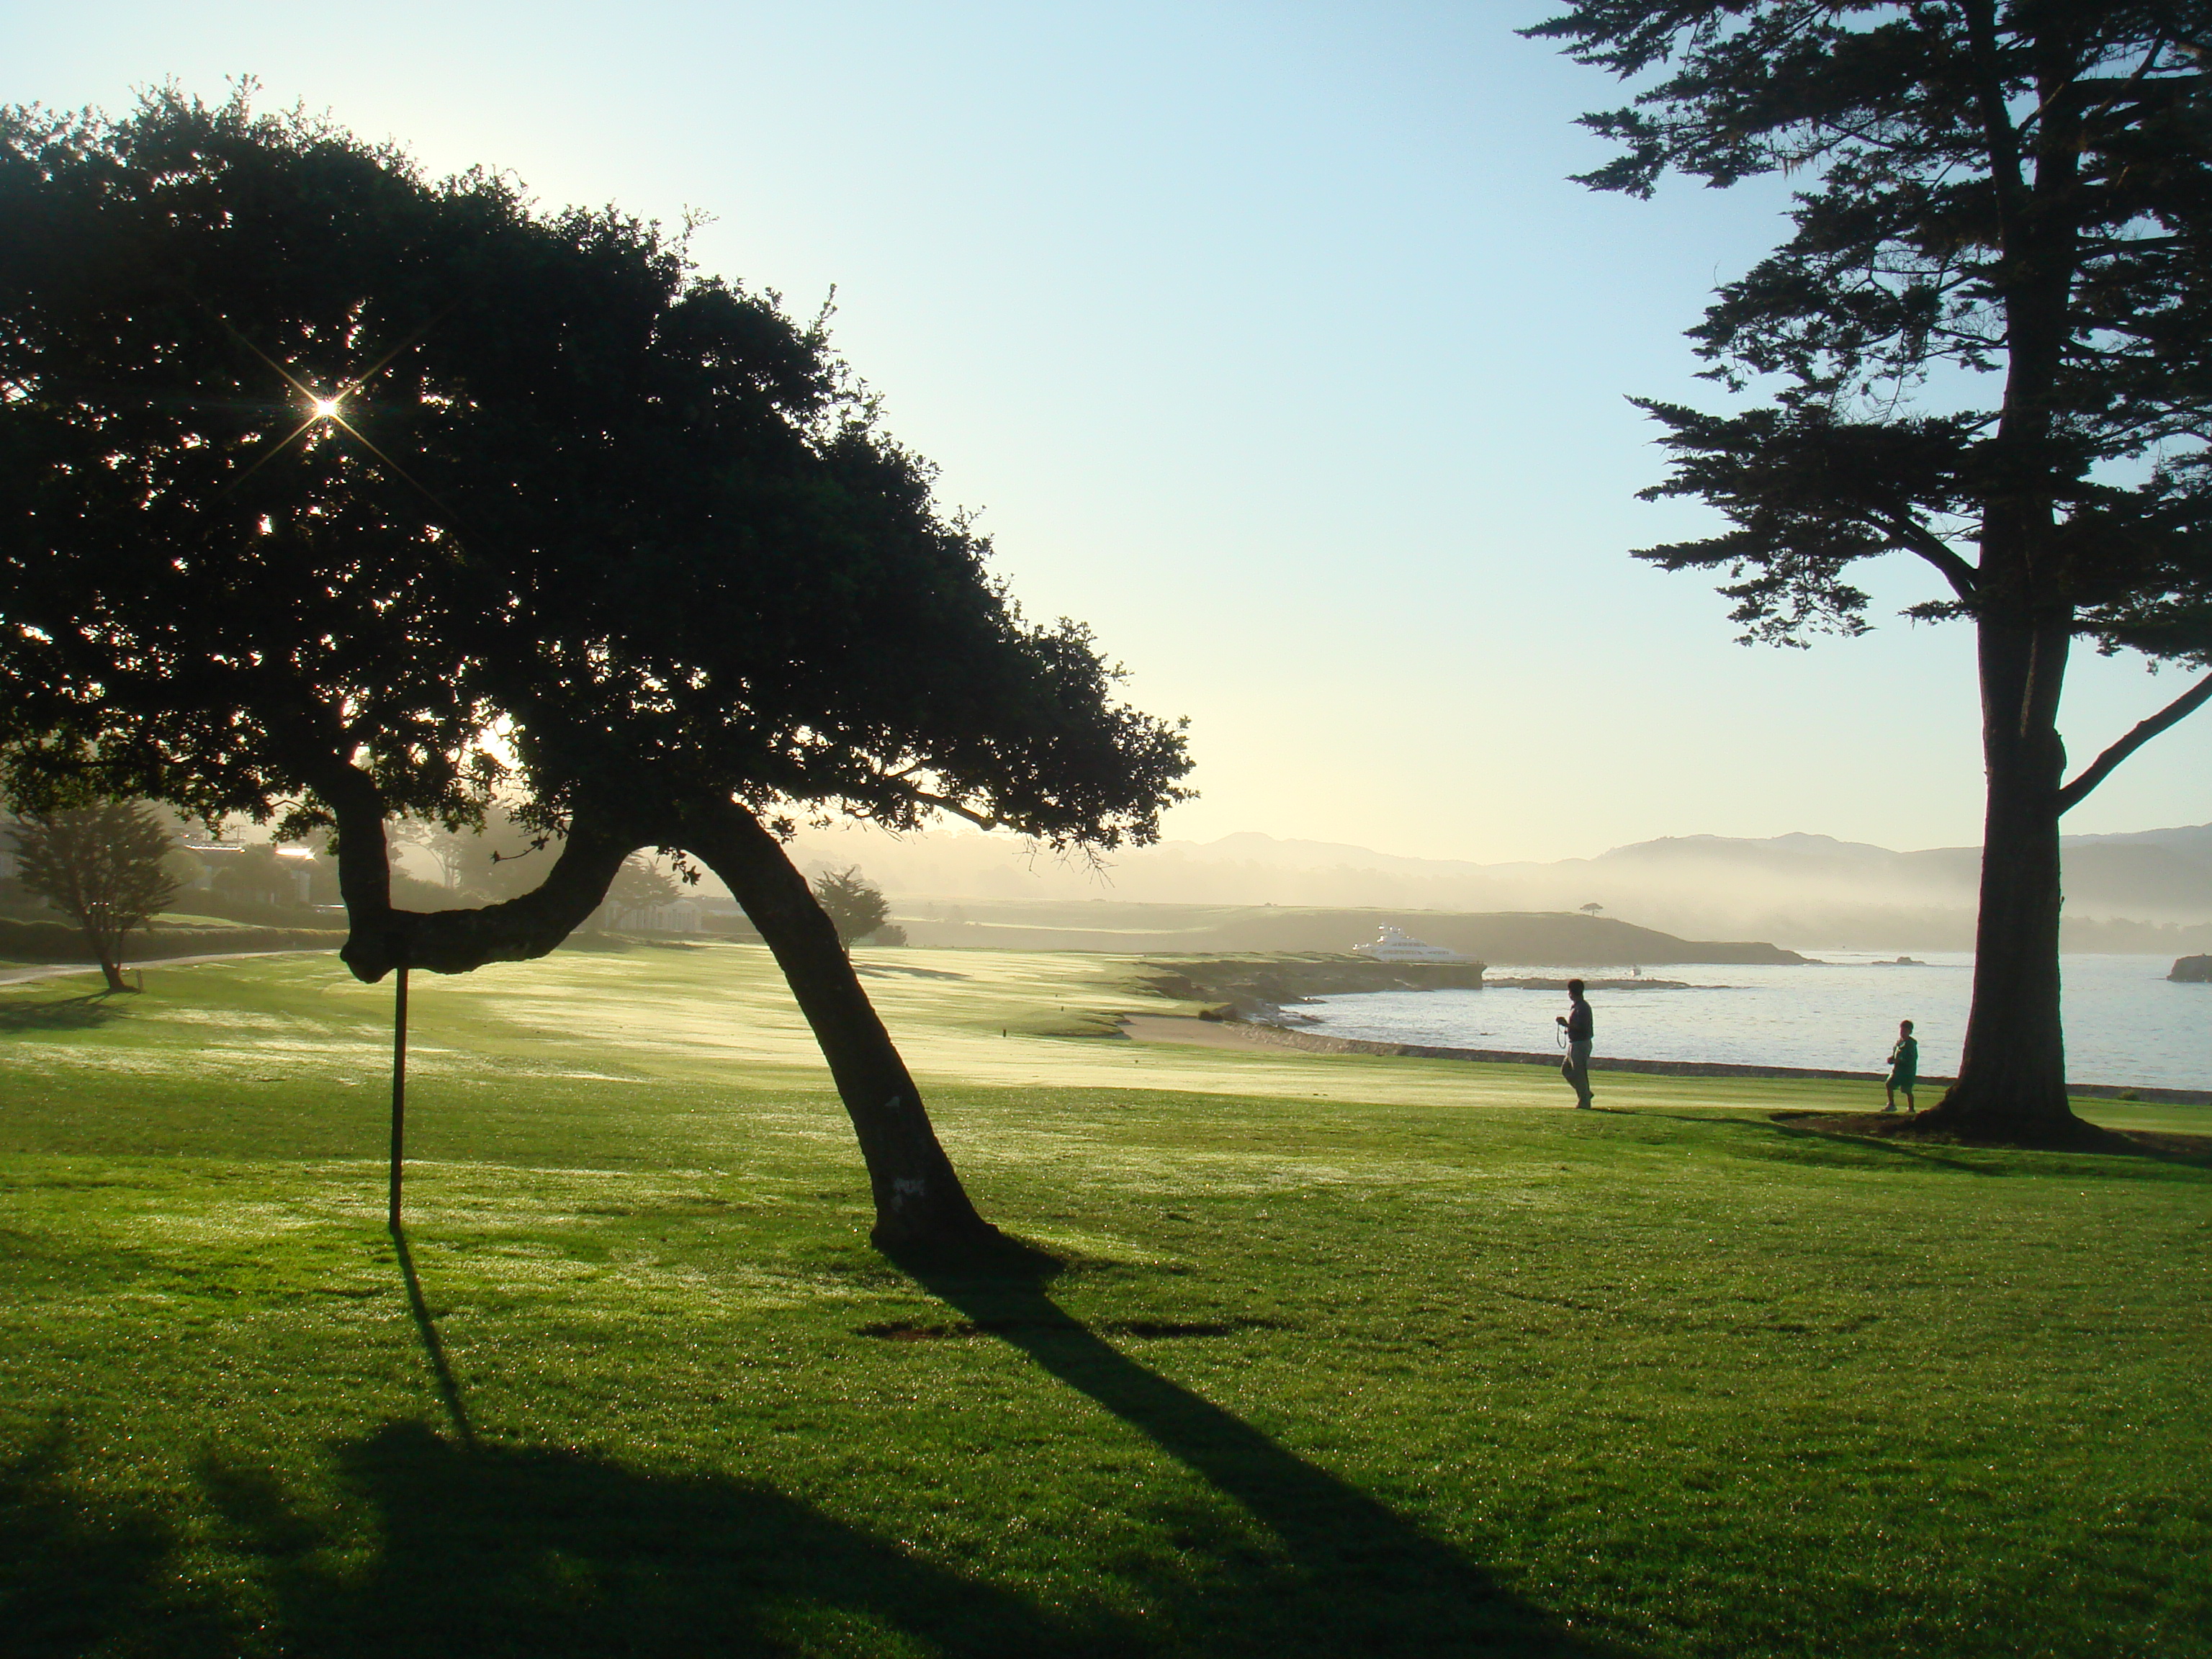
<point x="2125" y="1023"/>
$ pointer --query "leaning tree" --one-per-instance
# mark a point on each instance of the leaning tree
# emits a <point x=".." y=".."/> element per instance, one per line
<point x="333" y="494"/>
<point x="2005" y="195"/>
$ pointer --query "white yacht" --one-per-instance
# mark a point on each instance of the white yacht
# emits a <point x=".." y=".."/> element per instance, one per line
<point x="1395" y="944"/>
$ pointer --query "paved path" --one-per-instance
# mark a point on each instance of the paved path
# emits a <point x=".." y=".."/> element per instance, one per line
<point x="55" y="970"/>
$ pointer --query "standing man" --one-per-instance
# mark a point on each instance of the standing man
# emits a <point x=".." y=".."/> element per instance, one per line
<point x="1576" y="1067"/>
<point x="1903" y="1069"/>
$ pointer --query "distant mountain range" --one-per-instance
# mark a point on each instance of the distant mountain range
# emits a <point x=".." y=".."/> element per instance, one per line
<point x="2148" y="890"/>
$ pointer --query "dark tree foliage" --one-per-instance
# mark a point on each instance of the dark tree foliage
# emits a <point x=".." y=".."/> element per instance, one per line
<point x="1989" y="341"/>
<point x="101" y="865"/>
<point x="855" y="906"/>
<point x="315" y="473"/>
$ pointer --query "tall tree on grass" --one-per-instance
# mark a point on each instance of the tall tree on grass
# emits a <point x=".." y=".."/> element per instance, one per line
<point x="103" y="867"/>
<point x="2014" y="196"/>
<point x="313" y="473"/>
<point x="855" y="906"/>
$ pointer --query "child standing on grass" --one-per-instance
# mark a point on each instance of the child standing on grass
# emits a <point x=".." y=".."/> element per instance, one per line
<point x="1903" y="1069"/>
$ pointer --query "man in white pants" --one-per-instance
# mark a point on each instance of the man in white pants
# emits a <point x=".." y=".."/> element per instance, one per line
<point x="1576" y="1067"/>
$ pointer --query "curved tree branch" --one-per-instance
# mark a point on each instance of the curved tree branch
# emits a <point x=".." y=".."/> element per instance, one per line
<point x="2098" y="769"/>
<point x="1916" y="537"/>
<point x="380" y="937"/>
<point x="945" y="803"/>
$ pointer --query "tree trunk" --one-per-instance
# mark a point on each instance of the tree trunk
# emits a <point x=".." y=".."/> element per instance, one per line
<point x="919" y="1203"/>
<point x="2012" y="1077"/>
<point x="109" y="957"/>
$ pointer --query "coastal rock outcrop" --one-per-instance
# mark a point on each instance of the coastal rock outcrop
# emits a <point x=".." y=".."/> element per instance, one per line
<point x="2193" y="970"/>
<point x="1248" y="987"/>
<point x="1544" y="938"/>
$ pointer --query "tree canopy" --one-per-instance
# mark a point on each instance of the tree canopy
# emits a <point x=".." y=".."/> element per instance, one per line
<point x="1987" y="344"/>
<point x="2016" y="192"/>
<point x="332" y="493"/>
<point x="319" y="472"/>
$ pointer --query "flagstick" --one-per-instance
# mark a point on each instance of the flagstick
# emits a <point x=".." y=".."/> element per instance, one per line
<point x="398" y="1090"/>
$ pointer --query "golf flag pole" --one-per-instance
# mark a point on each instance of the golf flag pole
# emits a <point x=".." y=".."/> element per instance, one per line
<point x="398" y="1090"/>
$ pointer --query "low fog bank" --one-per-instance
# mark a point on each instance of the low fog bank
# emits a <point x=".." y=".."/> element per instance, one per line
<point x="2150" y="891"/>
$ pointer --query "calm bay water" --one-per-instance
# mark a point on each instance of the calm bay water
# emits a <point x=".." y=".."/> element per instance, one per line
<point x="2125" y="1023"/>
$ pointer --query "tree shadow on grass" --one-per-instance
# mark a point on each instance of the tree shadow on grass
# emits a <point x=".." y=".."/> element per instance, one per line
<point x="433" y="1350"/>
<point x="466" y="1550"/>
<point x="1897" y="1136"/>
<point x="494" y="1549"/>
<point x="76" y="1013"/>
<point x="1861" y="1141"/>
<point x="469" y="1548"/>
<point x="1362" y="1578"/>
<point x="83" y="1575"/>
<point x="2168" y="1146"/>
<point x="529" y="1551"/>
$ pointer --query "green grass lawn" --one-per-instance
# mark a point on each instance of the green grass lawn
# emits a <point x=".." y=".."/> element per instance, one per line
<point x="1340" y="1355"/>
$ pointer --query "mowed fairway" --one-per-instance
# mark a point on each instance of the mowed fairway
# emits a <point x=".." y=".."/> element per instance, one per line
<point x="1341" y="1355"/>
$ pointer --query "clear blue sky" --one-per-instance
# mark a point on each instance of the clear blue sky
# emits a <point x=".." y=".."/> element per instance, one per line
<point x="1270" y="339"/>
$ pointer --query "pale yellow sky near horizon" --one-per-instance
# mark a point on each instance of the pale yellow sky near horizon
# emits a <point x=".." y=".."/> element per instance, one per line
<point x="1270" y="341"/>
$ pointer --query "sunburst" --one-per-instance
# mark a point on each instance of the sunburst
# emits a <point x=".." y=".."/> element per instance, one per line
<point x="329" y="408"/>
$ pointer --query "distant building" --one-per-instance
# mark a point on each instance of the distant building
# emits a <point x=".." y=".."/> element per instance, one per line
<point x="688" y="912"/>
<point x="290" y="879"/>
<point x="1396" y="945"/>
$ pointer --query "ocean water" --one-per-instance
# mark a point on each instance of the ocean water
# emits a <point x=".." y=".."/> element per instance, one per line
<point x="2125" y="1023"/>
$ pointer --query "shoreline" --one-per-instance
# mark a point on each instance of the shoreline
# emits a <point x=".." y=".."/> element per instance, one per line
<point x="1163" y="1028"/>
